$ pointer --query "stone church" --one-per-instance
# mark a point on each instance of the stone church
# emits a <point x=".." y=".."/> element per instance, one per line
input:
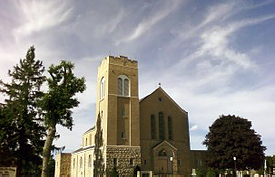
<point x="152" y="132"/>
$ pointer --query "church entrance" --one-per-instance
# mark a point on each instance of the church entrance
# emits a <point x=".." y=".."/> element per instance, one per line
<point x="165" y="163"/>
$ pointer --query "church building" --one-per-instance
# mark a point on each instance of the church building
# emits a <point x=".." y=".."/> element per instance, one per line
<point x="151" y="133"/>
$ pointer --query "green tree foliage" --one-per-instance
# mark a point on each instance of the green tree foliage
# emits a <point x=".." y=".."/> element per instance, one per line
<point x="58" y="102"/>
<point x="232" y="136"/>
<point x="20" y="125"/>
<point x="269" y="164"/>
<point x="98" y="164"/>
<point x="113" y="172"/>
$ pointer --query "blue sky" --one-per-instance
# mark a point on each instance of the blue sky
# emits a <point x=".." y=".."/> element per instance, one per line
<point x="212" y="57"/>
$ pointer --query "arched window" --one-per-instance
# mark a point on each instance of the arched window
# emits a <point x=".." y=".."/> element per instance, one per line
<point x="170" y="128"/>
<point x="153" y="127"/>
<point x="119" y="86"/>
<point x="161" y="126"/>
<point x="102" y="88"/>
<point x="123" y="85"/>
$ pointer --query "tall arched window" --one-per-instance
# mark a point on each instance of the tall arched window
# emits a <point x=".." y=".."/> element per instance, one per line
<point x="123" y="85"/>
<point x="161" y="126"/>
<point x="170" y="128"/>
<point x="153" y="127"/>
<point x="102" y="88"/>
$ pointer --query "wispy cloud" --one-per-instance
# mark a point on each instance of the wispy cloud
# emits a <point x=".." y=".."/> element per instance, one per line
<point x="163" y="11"/>
<point x="216" y="42"/>
<point x="40" y="15"/>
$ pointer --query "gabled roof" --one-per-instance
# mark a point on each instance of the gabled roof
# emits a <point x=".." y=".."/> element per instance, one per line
<point x="164" y="142"/>
<point x="91" y="129"/>
<point x="160" y="89"/>
<point x="83" y="148"/>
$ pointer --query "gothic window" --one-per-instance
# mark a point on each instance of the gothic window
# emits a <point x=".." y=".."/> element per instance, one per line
<point x="126" y="87"/>
<point x="170" y="128"/>
<point x="102" y="88"/>
<point x="119" y="86"/>
<point x="74" y="164"/>
<point x="123" y="86"/>
<point x="161" y="126"/>
<point x="153" y="127"/>
<point x="86" y="143"/>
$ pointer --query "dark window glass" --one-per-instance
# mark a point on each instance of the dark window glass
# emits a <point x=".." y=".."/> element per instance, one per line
<point x="131" y="161"/>
<point x="119" y="86"/>
<point x="161" y="126"/>
<point x="115" y="161"/>
<point x="153" y="127"/>
<point x="126" y="87"/>
<point x="170" y="128"/>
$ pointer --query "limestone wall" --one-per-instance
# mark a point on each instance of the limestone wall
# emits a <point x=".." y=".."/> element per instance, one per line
<point x="62" y="165"/>
<point x="82" y="163"/>
<point x="124" y="155"/>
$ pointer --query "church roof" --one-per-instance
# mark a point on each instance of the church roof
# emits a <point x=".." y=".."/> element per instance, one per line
<point x="83" y="148"/>
<point x="164" y="142"/>
<point x="160" y="89"/>
<point x="91" y="129"/>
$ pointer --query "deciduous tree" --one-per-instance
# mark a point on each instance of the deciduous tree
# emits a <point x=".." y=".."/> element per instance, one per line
<point x="231" y="136"/>
<point x="58" y="103"/>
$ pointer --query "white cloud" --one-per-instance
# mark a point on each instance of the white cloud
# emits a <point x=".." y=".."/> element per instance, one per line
<point x="40" y="15"/>
<point x="216" y="42"/>
<point x="194" y="128"/>
<point x="160" y="14"/>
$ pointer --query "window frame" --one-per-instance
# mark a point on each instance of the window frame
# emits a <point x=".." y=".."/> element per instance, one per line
<point x="123" y="89"/>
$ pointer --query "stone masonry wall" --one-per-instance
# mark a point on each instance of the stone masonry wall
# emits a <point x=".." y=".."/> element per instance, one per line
<point x="123" y="156"/>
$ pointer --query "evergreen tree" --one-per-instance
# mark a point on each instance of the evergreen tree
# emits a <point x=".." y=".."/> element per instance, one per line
<point x="58" y="102"/>
<point x="98" y="164"/>
<point x="232" y="136"/>
<point x="21" y="131"/>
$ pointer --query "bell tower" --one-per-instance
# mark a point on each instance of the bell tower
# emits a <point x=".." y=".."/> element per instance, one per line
<point x="118" y="105"/>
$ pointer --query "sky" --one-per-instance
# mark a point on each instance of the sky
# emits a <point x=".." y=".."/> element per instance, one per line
<point x="212" y="57"/>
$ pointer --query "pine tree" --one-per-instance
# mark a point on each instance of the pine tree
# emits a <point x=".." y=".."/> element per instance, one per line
<point x="21" y="130"/>
<point x="58" y="102"/>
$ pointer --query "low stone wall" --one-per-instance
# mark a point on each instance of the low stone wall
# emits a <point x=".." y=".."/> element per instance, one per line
<point x="124" y="155"/>
<point x="8" y="171"/>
